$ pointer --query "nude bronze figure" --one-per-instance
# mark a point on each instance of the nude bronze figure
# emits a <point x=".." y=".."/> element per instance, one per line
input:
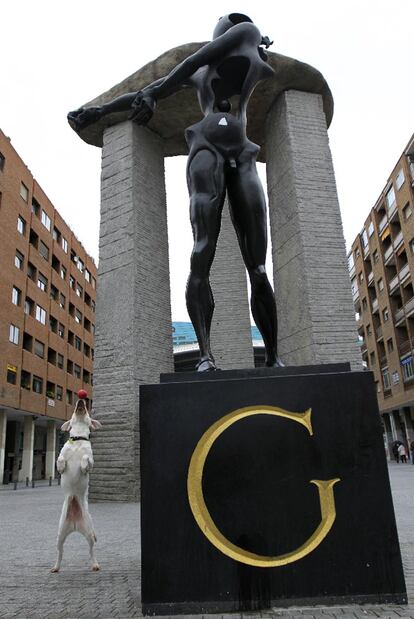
<point x="224" y="72"/>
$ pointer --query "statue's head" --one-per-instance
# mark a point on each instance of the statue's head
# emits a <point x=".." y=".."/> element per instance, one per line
<point x="228" y="21"/>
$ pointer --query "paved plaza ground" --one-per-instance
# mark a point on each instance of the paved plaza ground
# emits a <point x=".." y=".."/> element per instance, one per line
<point x="29" y="519"/>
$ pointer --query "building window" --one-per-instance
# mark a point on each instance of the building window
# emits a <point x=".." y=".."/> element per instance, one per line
<point x="59" y="393"/>
<point x="69" y="396"/>
<point x="54" y="292"/>
<point x="31" y="271"/>
<point x="86" y="377"/>
<point x="407" y="211"/>
<point x="78" y="316"/>
<point x="42" y="282"/>
<point x="93" y="282"/>
<point x="80" y="265"/>
<point x="371" y="229"/>
<point x="56" y="234"/>
<point x="88" y="275"/>
<point x="27" y="341"/>
<point x="35" y="207"/>
<point x="33" y="238"/>
<point x="364" y="304"/>
<point x="62" y="300"/>
<point x="372" y="360"/>
<point x="37" y="384"/>
<point x="72" y="282"/>
<point x="18" y="260"/>
<point x="39" y="349"/>
<point x="78" y="343"/>
<point x="385" y="314"/>
<point x="45" y="219"/>
<point x="86" y="350"/>
<point x="11" y="374"/>
<point x="2" y="160"/>
<point x="25" y="380"/>
<point x="79" y="290"/>
<point x="60" y="361"/>
<point x="50" y="390"/>
<point x="71" y="338"/>
<point x="69" y="367"/>
<point x="53" y="324"/>
<point x="364" y="238"/>
<point x="380" y="284"/>
<point x="40" y="314"/>
<point x="64" y="245"/>
<point x="44" y="250"/>
<point x="77" y="370"/>
<point x="390" y="345"/>
<point x="21" y="225"/>
<point x="14" y="333"/>
<point x="24" y="192"/>
<point x="61" y="330"/>
<point x="386" y="379"/>
<point x="354" y="285"/>
<point x="51" y="356"/>
<point x="407" y="367"/>
<point x="16" y="296"/>
<point x="62" y="272"/>
<point x="400" y="179"/>
<point x="390" y="196"/>
<point x="28" y="307"/>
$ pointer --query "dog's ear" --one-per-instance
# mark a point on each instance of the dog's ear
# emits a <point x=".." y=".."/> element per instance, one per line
<point x="95" y="424"/>
<point x="66" y="426"/>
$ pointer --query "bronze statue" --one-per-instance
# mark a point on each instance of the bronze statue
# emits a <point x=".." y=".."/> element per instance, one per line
<point x="224" y="73"/>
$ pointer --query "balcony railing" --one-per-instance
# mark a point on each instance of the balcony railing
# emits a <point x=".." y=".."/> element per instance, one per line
<point x="378" y="332"/>
<point x="404" y="272"/>
<point x="388" y="253"/>
<point x="382" y="224"/>
<point x="399" y="314"/>
<point x="392" y="209"/>
<point x="374" y="305"/>
<point x="355" y="295"/>
<point x="404" y="347"/>
<point x="370" y="278"/>
<point x="393" y="284"/>
<point x="366" y="250"/>
<point x="409" y="307"/>
<point x="398" y="240"/>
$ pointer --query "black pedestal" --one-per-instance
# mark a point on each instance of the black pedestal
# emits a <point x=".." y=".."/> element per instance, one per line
<point x="248" y="528"/>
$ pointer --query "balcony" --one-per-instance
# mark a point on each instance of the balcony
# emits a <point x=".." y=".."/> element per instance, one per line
<point x="388" y="253"/>
<point x="370" y="278"/>
<point x="398" y="241"/>
<point x="394" y="283"/>
<point x="366" y="251"/>
<point x="355" y="295"/>
<point x="374" y="305"/>
<point x="404" y="272"/>
<point x="404" y="347"/>
<point x="382" y="224"/>
<point x="378" y="333"/>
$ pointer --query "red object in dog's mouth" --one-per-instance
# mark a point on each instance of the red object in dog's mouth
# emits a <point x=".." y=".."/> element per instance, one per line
<point x="82" y="394"/>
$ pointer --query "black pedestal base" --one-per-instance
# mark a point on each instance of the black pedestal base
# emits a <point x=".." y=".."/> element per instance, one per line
<point x="248" y="521"/>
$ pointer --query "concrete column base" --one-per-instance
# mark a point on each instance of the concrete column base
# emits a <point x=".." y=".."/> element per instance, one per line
<point x="50" y="450"/>
<point x="28" y="443"/>
<point x="3" y="427"/>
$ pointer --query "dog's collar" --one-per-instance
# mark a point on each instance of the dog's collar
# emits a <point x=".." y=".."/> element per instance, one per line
<point x="78" y="438"/>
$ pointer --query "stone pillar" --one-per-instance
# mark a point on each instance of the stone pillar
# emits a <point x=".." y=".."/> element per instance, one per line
<point x="133" y="340"/>
<point x="388" y="434"/>
<point x="315" y="308"/>
<point x="28" y="443"/>
<point x="231" y="338"/>
<point x="395" y="421"/>
<point x="3" y="428"/>
<point x="50" y="449"/>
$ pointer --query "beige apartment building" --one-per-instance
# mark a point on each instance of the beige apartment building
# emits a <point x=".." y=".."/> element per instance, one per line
<point x="381" y="268"/>
<point x="47" y="322"/>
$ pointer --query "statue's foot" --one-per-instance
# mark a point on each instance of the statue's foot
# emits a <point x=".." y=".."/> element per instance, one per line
<point x="276" y="362"/>
<point x="83" y="117"/>
<point x="206" y="365"/>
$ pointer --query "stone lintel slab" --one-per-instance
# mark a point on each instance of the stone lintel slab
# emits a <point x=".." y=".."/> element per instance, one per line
<point x="177" y="112"/>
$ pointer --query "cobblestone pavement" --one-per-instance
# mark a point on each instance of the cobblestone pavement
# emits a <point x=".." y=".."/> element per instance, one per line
<point x="29" y="519"/>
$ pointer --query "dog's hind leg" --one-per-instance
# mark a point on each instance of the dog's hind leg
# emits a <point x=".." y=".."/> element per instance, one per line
<point x="88" y="532"/>
<point x="64" y="530"/>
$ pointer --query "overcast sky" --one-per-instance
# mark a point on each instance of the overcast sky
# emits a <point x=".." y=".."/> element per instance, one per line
<point x="57" y="55"/>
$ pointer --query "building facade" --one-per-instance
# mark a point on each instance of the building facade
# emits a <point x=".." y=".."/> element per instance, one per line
<point x="381" y="267"/>
<point x="47" y="322"/>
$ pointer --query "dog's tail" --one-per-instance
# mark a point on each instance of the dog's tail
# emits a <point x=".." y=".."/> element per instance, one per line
<point x="74" y="510"/>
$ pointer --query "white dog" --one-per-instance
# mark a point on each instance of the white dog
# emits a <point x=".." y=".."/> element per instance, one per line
<point x="74" y="463"/>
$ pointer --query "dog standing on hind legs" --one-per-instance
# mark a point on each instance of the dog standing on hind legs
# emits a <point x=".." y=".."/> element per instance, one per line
<point x="74" y="463"/>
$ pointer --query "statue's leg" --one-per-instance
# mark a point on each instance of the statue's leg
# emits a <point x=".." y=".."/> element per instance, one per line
<point x="248" y="213"/>
<point x="207" y="190"/>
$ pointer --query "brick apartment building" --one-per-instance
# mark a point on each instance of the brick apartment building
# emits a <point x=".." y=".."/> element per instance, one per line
<point x="381" y="265"/>
<point x="47" y="317"/>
